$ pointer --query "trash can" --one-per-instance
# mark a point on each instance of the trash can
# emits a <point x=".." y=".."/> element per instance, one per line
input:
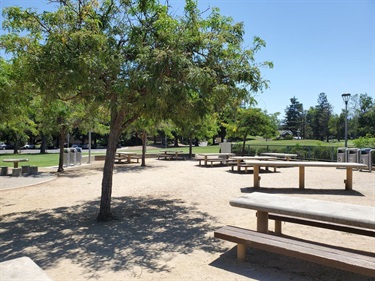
<point x="73" y="156"/>
<point x="78" y="155"/>
<point x="341" y="154"/>
<point x="353" y="155"/>
<point x="365" y="157"/>
<point x="70" y="156"/>
<point x="66" y="157"/>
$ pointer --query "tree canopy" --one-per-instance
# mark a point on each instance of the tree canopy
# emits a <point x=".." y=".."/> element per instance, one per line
<point x="134" y="59"/>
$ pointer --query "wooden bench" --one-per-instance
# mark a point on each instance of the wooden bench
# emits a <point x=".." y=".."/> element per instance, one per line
<point x="168" y="156"/>
<point x="333" y="226"/>
<point x="171" y="154"/>
<point x="222" y="158"/>
<point x="281" y="156"/>
<point x="309" y="251"/>
<point x="136" y="157"/>
<point x="213" y="160"/>
<point x="246" y="166"/>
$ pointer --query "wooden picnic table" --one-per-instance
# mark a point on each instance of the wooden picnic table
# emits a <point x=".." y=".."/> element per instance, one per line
<point x="301" y="165"/>
<point x="286" y="156"/>
<point x="328" y="211"/>
<point x="125" y="155"/>
<point x="240" y="159"/>
<point x="170" y="154"/>
<point x="214" y="156"/>
<point x="334" y="215"/>
<point x="16" y="161"/>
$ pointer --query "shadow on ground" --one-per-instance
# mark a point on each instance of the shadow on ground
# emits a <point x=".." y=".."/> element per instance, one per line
<point x="146" y="230"/>
<point x="263" y="265"/>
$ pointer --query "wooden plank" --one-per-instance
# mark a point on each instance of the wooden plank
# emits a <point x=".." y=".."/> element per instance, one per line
<point x="332" y="226"/>
<point x="325" y="255"/>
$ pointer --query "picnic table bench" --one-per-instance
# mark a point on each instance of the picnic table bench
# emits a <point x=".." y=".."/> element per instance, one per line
<point x="331" y="215"/>
<point x="301" y="165"/>
<point x="280" y="156"/>
<point x="241" y="161"/>
<point x="171" y="154"/>
<point x="127" y="156"/>
<point x="222" y="158"/>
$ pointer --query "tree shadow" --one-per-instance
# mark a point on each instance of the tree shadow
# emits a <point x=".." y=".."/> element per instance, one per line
<point x="296" y="190"/>
<point x="148" y="229"/>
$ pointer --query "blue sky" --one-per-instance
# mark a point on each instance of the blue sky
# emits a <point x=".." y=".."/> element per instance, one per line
<point x="316" y="46"/>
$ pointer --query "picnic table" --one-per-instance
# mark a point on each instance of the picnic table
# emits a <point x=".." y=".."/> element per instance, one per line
<point x="170" y="154"/>
<point x="16" y="161"/>
<point x="331" y="215"/>
<point x="301" y="165"/>
<point x="240" y="159"/>
<point x="285" y="156"/>
<point x="126" y="156"/>
<point x="213" y="157"/>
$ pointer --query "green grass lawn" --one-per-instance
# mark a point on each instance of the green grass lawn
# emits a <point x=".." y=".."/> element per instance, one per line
<point x="40" y="160"/>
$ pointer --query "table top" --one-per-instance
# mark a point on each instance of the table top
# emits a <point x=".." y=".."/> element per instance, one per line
<point x="279" y="154"/>
<point x="306" y="164"/>
<point x="16" y="160"/>
<point x="252" y="158"/>
<point x="328" y="211"/>
<point x="126" y="153"/>
<point x="215" y="154"/>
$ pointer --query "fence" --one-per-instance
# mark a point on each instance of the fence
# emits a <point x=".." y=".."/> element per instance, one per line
<point x="317" y="153"/>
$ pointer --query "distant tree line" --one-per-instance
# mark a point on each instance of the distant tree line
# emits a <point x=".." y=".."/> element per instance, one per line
<point x="319" y="122"/>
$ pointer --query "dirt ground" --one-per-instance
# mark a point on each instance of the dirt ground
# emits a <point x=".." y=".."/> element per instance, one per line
<point x="167" y="213"/>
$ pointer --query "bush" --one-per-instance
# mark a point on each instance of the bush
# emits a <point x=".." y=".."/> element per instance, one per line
<point x="363" y="142"/>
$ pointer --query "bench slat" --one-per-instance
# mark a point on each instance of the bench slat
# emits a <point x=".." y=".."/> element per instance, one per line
<point x="332" y="226"/>
<point x="325" y="255"/>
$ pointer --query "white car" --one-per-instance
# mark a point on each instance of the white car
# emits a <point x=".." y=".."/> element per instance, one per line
<point x="2" y="146"/>
<point x="28" y="146"/>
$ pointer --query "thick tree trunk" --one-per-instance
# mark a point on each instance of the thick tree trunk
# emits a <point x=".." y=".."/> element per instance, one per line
<point x="105" y="213"/>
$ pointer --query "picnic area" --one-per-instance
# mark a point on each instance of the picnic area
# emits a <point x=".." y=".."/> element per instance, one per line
<point x="168" y="212"/>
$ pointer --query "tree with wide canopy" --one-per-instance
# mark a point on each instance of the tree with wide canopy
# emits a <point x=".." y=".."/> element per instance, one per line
<point x="134" y="58"/>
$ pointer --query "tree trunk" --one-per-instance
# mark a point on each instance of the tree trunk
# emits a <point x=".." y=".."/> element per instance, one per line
<point x="105" y="213"/>
<point x="243" y="146"/>
<point x="144" y="138"/>
<point x="43" y="146"/>
<point x="60" y="169"/>
<point x="190" y="147"/>
<point x="175" y="140"/>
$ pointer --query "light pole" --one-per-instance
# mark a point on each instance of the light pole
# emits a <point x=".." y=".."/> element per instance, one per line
<point x="346" y="98"/>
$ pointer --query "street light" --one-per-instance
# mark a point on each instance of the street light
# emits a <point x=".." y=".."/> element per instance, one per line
<point x="346" y="98"/>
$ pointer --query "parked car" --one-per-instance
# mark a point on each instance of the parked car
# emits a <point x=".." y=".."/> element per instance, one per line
<point x="28" y="146"/>
<point x="9" y="146"/>
<point x="2" y="146"/>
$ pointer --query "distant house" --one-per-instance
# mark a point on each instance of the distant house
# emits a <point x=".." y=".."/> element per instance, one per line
<point x="284" y="133"/>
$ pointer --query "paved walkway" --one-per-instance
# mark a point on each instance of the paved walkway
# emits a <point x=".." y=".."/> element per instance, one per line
<point x="9" y="182"/>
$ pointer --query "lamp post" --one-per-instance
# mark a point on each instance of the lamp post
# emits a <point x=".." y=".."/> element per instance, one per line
<point x="346" y="98"/>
